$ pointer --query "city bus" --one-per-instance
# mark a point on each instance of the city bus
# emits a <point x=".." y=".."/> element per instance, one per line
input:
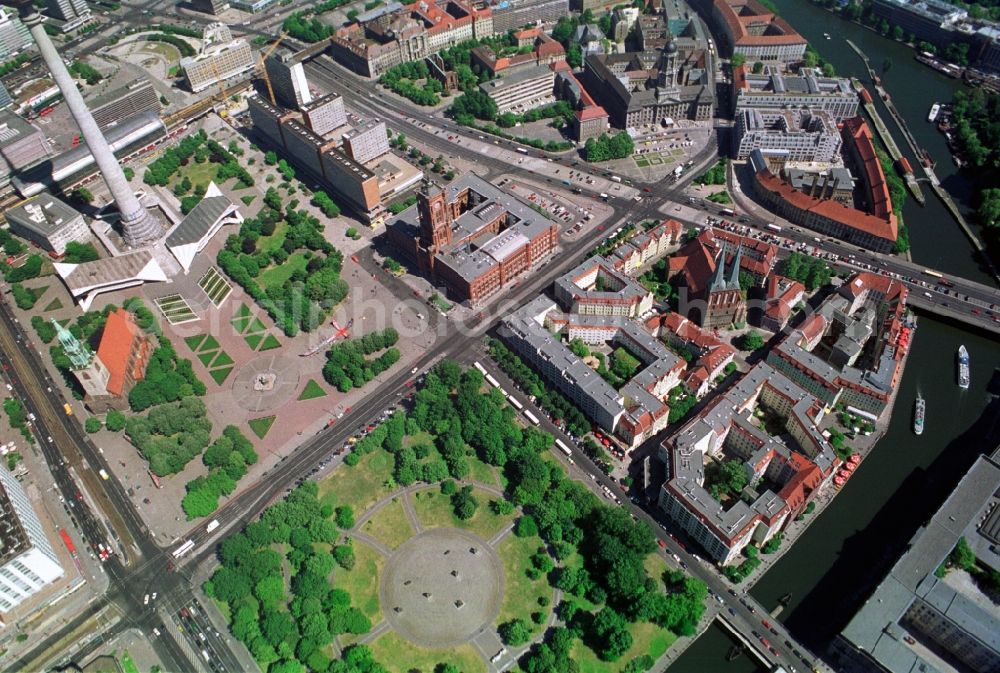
<point x="183" y="549"/>
<point x="482" y="369"/>
<point x="67" y="541"/>
<point x="935" y="274"/>
<point x="531" y="417"/>
<point x="728" y="212"/>
<point x="492" y="381"/>
<point x="514" y="403"/>
<point x="562" y="447"/>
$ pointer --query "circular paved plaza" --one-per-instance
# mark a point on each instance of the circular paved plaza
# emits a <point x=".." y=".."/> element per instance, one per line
<point x="441" y="587"/>
<point x="266" y="383"/>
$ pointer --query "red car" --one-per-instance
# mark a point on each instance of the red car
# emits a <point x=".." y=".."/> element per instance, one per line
<point x="764" y="642"/>
<point x="646" y="189"/>
<point x="767" y="624"/>
<point x="663" y="545"/>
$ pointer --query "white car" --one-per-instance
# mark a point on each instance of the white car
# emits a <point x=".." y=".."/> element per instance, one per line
<point x="145" y="599"/>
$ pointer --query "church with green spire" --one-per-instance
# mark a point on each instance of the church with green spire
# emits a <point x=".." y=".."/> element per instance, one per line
<point x="86" y="366"/>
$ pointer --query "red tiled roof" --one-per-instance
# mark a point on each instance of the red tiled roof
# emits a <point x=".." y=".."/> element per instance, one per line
<point x="828" y="208"/>
<point x="856" y="133"/>
<point x="780" y="304"/>
<point x="757" y="258"/>
<point x="115" y="350"/>
<point x="813" y="326"/>
<point x="592" y="112"/>
<point x="739" y="14"/>
<point x="696" y="263"/>
<point x="740" y="78"/>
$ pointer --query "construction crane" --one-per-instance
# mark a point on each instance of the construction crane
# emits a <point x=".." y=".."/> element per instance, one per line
<point x="263" y="69"/>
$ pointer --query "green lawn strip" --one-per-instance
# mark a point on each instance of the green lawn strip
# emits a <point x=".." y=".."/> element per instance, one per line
<point x="270" y="342"/>
<point x="253" y="340"/>
<point x="275" y="276"/>
<point x="520" y="594"/>
<point x="434" y="510"/>
<point x="399" y="655"/>
<point x="193" y="342"/>
<point x="54" y="305"/>
<point x="209" y="344"/>
<point x="242" y="312"/>
<point x="646" y="639"/>
<point x="389" y="525"/>
<point x="219" y="375"/>
<point x="222" y="359"/>
<point x="360" y="486"/>
<point x="240" y="324"/>
<point x="38" y="292"/>
<point x="362" y="581"/>
<point x="312" y="391"/>
<point x="260" y="426"/>
<point x="128" y="665"/>
<point x="207" y="356"/>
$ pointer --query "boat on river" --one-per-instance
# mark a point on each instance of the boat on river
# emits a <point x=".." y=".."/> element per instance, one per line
<point x="933" y="114"/>
<point x="918" y="415"/>
<point x="963" y="368"/>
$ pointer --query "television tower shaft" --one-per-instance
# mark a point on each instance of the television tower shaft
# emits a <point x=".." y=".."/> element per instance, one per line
<point x="138" y="226"/>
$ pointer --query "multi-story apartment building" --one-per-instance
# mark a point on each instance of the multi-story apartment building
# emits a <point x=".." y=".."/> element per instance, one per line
<point x="221" y="58"/>
<point x="366" y="141"/>
<point x="27" y="560"/>
<point x="48" y="222"/>
<point x="325" y="114"/>
<point x="772" y="89"/>
<point x="544" y="50"/>
<point x="749" y="28"/>
<point x="638" y="88"/>
<point x="21" y="145"/>
<point x="806" y="135"/>
<point x="859" y="151"/>
<point x="931" y="21"/>
<point x="473" y="238"/>
<point x="73" y="13"/>
<point x="596" y="287"/>
<point x="350" y="184"/>
<point x="726" y="428"/>
<point x="288" y="80"/>
<point x="923" y="618"/>
<point x="835" y="183"/>
<point x="395" y="34"/>
<point x="711" y="353"/>
<point x="863" y="326"/>
<point x="14" y="35"/>
<point x="523" y="89"/>
<point x="213" y="7"/>
<point x="124" y="103"/>
<point x="513" y="14"/>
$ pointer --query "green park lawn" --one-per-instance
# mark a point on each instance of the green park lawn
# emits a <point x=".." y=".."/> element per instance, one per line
<point x="483" y="473"/>
<point x="253" y="340"/>
<point x="260" y="426"/>
<point x="312" y="391"/>
<point x="646" y="639"/>
<point x="222" y="360"/>
<point x="275" y="276"/>
<point x="520" y="594"/>
<point x="256" y="326"/>
<point x="199" y="174"/>
<point x="399" y="655"/>
<point x="274" y="241"/>
<point x="360" y="486"/>
<point x="194" y="342"/>
<point x="362" y="581"/>
<point x="434" y="510"/>
<point x="389" y="525"/>
<point x="53" y="305"/>
<point x="207" y="356"/>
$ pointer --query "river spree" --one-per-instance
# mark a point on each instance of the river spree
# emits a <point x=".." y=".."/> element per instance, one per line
<point x="835" y="565"/>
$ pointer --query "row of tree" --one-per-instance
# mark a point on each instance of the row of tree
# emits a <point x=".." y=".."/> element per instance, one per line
<point x="346" y="366"/>
<point x="558" y="407"/>
<point x="227" y="459"/>
<point x="606" y="148"/>
<point x="170" y="435"/>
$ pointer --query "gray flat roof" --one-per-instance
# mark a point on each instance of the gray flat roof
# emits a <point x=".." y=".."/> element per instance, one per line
<point x="44" y="214"/>
<point x="200" y="220"/>
<point x="14" y="128"/>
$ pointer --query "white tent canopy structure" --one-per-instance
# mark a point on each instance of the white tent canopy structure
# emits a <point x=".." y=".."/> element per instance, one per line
<point x="87" y="280"/>
<point x="190" y="236"/>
